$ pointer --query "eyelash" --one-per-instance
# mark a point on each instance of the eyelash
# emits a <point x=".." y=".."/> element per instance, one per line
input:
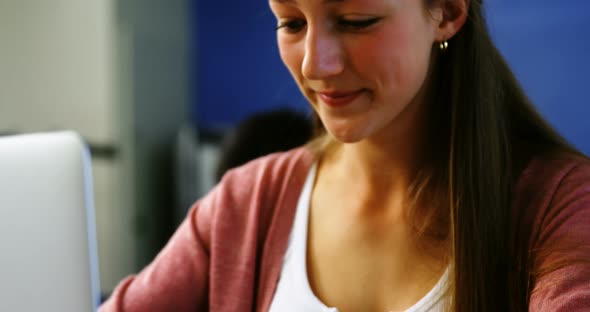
<point x="294" y="26"/>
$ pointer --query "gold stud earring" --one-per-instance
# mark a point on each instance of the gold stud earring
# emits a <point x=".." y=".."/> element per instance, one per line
<point x="444" y="45"/>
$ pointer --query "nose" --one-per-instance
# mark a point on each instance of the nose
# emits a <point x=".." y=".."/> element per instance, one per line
<point x="323" y="55"/>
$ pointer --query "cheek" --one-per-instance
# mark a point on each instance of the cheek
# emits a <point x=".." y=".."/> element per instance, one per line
<point x="291" y="57"/>
<point x="292" y="54"/>
<point x="395" y="59"/>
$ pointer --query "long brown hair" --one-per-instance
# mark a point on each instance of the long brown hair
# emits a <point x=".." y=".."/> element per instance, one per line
<point x="482" y="122"/>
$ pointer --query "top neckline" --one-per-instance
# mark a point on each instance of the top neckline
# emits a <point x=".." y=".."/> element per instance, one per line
<point x="299" y="244"/>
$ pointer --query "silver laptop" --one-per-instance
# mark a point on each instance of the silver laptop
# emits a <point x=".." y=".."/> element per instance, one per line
<point x="48" y="252"/>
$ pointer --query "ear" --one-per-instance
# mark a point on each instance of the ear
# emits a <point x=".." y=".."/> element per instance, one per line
<point x="451" y="16"/>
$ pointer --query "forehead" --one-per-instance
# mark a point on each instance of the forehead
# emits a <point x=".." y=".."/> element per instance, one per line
<point x="295" y="1"/>
<point x="384" y="7"/>
<point x="356" y="3"/>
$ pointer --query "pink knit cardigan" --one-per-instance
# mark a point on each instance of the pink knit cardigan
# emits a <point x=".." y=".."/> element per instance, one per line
<point x="227" y="254"/>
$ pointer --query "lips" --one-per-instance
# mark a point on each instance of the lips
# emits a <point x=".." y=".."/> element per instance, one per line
<point x="339" y="98"/>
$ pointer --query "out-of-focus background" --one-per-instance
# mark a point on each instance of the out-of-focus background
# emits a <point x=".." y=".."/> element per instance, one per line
<point x="154" y="85"/>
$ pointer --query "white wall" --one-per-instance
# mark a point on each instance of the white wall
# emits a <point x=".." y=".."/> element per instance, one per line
<point x="58" y="69"/>
<point x="56" y="66"/>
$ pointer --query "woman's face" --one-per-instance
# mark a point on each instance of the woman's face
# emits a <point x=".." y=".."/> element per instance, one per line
<point x="360" y="63"/>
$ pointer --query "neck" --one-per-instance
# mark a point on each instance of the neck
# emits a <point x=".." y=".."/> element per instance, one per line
<point x="375" y="170"/>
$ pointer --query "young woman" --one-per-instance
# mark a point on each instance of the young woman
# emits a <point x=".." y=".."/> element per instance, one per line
<point x="432" y="184"/>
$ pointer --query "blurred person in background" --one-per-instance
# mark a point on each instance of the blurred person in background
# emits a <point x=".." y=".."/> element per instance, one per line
<point x="262" y="134"/>
<point x="432" y="184"/>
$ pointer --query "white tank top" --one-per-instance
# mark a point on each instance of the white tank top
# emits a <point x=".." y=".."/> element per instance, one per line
<point x="293" y="293"/>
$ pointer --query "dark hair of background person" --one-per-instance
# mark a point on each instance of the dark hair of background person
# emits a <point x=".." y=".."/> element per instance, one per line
<point x="483" y="130"/>
<point x="263" y="134"/>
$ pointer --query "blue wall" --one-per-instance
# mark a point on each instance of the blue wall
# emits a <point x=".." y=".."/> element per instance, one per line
<point x="547" y="44"/>
<point x="239" y="71"/>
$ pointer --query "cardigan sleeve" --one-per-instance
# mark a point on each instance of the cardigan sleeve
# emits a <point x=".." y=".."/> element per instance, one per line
<point x="220" y="258"/>
<point x="177" y="279"/>
<point x="562" y="251"/>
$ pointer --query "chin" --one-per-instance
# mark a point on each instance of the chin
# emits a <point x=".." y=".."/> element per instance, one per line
<point x="347" y="135"/>
<point x="352" y="127"/>
<point x="346" y="140"/>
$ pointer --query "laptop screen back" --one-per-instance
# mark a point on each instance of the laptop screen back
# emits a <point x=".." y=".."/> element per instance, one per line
<point x="48" y="253"/>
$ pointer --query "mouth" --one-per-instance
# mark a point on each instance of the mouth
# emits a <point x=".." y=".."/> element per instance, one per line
<point x="339" y="99"/>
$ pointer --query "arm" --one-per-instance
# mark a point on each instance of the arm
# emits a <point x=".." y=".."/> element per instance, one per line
<point x="177" y="279"/>
<point x="214" y="260"/>
<point x="562" y="252"/>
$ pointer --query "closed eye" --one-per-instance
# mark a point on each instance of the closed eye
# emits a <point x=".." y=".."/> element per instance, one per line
<point x="348" y="24"/>
<point x="295" y="25"/>
<point x="292" y="26"/>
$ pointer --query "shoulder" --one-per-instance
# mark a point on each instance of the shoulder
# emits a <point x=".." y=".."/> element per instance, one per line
<point x="554" y="196"/>
<point x="270" y="169"/>
<point x="554" y="183"/>
<point x="552" y="201"/>
<point x="263" y="180"/>
<point x="554" y="175"/>
<point x="246" y="198"/>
